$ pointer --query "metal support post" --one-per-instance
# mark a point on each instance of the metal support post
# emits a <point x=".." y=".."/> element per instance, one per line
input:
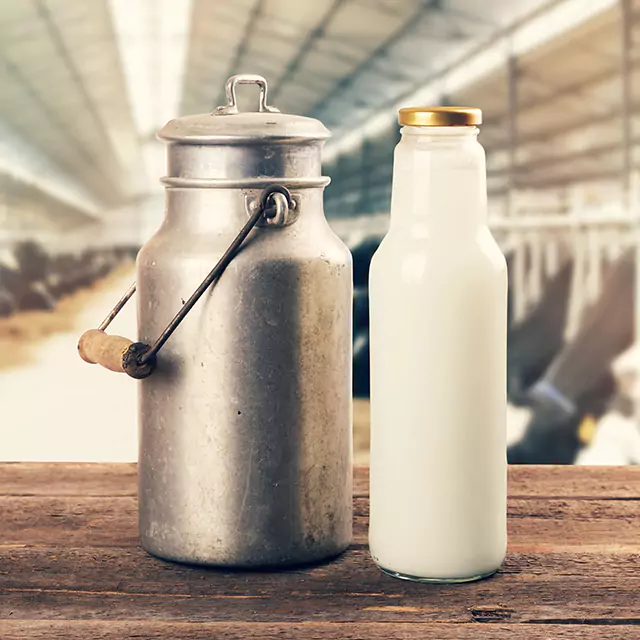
<point x="627" y="18"/>
<point x="366" y="169"/>
<point x="627" y="23"/>
<point x="512" y="127"/>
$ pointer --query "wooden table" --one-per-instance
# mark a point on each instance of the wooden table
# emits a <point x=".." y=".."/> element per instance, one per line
<point x="71" y="567"/>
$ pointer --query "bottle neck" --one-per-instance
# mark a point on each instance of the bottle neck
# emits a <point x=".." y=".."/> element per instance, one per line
<point x="439" y="182"/>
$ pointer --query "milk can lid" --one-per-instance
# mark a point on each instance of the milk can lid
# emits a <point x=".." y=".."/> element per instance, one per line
<point x="227" y="125"/>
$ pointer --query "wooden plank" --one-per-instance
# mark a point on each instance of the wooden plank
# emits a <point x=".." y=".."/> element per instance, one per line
<point x="555" y="525"/>
<point x="118" y="584"/>
<point x="133" y="571"/>
<point x="98" y="479"/>
<point x="69" y="521"/>
<point x="68" y="478"/>
<point x="360" y="481"/>
<point x="541" y="602"/>
<point x="100" y="630"/>
<point x="75" y="521"/>
<point x="554" y="481"/>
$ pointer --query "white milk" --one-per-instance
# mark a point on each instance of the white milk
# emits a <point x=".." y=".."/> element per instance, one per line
<point x="438" y="295"/>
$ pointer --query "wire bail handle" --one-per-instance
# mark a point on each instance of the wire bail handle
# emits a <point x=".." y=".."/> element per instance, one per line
<point x="231" y="107"/>
<point x="138" y="359"/>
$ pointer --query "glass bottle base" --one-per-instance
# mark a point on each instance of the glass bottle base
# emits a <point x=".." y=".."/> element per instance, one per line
<point x="410" y="578"/>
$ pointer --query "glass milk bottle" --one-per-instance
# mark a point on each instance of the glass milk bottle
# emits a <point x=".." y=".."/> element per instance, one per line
<point x="438" y="300"/>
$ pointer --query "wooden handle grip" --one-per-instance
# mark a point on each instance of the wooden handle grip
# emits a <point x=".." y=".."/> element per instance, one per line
<point x="114" y="353"/>
<point x="96" y="347"/>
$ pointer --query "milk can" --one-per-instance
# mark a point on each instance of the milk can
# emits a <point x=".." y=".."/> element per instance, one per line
<point x="245" y="390"/>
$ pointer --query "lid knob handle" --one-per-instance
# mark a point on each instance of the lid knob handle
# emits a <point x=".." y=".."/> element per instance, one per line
<point x="230" y="89"/>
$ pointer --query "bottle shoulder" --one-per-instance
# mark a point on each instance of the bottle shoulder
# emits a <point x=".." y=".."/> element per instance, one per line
<point x="491" y="249"/>
<point x="413" y="259"/>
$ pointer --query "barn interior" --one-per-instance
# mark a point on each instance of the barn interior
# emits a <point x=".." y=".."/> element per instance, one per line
<point x="86" y="86"/>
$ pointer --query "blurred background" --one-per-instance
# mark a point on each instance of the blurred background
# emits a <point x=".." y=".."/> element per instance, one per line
<point x="87" y="83"/>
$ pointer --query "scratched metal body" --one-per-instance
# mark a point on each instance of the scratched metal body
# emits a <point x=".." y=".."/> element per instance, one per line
<point x="245" y="444"/>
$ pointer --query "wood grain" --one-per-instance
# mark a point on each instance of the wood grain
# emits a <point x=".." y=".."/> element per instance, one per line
<point x="119" y="479"/>
<point x="134" y="571"/>
<point x="553" y="481"/>
<point x="108" y="583"/>
<point x="100" y="630"/>
<point x="508" y="601"/>
<point x="99" y="521"/>
<point x="71" y="567"/>
<point x="68" y="479"/>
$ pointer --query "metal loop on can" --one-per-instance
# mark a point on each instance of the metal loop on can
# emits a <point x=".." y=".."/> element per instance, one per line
<point x="281" y="208"/>
<point x="231" y="107"/>
<point x="270" y="211"/>
<point x="281" y="211"/>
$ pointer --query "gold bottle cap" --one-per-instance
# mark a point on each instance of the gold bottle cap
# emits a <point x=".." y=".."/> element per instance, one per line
<point x="440" y="116"/>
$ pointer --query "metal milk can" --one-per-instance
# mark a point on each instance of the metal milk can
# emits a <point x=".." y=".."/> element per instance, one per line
<point x="245" y="394"/>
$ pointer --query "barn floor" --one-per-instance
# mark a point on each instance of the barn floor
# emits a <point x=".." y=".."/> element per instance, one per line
<point x="56" y="407"/>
